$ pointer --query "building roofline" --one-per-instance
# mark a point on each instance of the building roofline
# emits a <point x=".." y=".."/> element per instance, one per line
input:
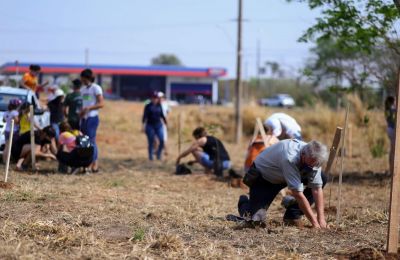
<point x="155" y="70"/>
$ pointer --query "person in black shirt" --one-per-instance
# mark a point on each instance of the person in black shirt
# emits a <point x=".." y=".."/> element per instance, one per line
<point x="21" y="149"/>
<point x="73" y="105"/>
<point x="56" y="108"/>
<point x="152" y="125"/>
<point x="206" y="149"/>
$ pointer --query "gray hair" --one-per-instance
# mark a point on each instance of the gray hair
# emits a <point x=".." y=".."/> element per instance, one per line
<point x="317" y="151"/>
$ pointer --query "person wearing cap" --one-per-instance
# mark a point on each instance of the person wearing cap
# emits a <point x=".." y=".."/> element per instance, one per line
<point x="166" y="110"/>
<point x="11" y="114"/>
<point x="153" y="118"/>
<point x="93" y="100"/>
<point x="283" y="126"/>
<point x="55" y="105"/>
<point x="73" y="104"/>
<point x="30" y="80"/>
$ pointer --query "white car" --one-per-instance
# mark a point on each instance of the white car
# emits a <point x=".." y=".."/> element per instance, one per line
<point x="278" y="100"/>
<point x="42" y="117"/>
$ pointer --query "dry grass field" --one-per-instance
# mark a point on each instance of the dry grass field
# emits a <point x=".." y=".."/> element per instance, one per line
<point x="135" y="209"/>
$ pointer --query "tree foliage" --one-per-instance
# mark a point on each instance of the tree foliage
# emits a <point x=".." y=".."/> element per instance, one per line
<point x="166" y="59"/>
<point x="356" y="25"/>
<point x="356" y="43"/>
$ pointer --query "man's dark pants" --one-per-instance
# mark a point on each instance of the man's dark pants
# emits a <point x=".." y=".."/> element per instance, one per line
<point x="262" y="193"/>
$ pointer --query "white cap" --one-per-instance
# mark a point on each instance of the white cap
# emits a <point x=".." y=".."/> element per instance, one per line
<point x="57" y="93"/>
<point x="160" y="94"/>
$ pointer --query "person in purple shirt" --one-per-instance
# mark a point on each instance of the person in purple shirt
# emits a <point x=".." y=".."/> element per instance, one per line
<point x="153" y="118"/>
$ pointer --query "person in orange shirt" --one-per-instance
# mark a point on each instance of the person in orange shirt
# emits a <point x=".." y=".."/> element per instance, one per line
<point x="30" y="80"/>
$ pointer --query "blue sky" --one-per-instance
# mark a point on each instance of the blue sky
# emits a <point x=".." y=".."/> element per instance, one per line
<point x="200" y="32"/>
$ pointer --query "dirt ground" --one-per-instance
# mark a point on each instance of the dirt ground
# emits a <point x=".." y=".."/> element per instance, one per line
<point x="136" y="209"/>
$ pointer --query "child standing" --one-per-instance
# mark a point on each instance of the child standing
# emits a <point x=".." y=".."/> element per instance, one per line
<point x="11" y="114"/>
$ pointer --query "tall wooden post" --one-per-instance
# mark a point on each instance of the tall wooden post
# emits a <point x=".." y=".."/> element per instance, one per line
<point x="394" y="208"/>
<point x="33" y="146"/>
<point x="338" y="213"/>
<point x="10" y="141"/>
<point x="238" y="85"/>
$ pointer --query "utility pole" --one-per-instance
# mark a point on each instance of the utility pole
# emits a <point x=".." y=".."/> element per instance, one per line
<point x="238" y="85"/>
<point x="87" y="57"/>
<point x="258" y="65"/>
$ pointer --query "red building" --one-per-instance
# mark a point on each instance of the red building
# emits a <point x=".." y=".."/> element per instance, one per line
<point x="183" y="84"/>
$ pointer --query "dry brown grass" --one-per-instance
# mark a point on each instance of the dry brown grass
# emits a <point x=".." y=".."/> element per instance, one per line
<point x="136" y="209"/>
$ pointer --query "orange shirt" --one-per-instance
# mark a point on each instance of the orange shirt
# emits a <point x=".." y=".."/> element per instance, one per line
<point x="30" y="81"/>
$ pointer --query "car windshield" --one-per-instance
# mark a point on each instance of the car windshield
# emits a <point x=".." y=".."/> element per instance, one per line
<point x="5" y="99"/>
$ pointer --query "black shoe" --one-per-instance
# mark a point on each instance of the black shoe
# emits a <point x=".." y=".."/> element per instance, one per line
<point x="234" y="218"/>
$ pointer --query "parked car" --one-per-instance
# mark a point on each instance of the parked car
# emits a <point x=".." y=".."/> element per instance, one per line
<point x="42" y="117"/>
<point x="278" y="100"/>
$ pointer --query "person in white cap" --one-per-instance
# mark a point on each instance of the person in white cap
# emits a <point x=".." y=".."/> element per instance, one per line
<point x="56" y="108"/>
<point x="283" y="126"/>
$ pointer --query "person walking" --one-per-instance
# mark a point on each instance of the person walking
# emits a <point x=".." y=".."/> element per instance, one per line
<point x="153" y="118"/>
<point x="73" y="105"/>
<point x="92" y="96"/>
<point x="390" y="116"/>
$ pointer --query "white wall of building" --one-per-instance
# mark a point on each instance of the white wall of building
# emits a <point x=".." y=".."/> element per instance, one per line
<point x="212" y="81"/>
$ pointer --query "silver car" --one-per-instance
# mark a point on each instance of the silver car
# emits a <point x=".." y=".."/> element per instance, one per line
<point x="278" y="100"/>
<point x="42" y="117"/>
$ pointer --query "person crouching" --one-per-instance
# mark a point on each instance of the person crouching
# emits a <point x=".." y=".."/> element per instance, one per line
<point x="288" y="163"/>
<point x="208" y="151"/>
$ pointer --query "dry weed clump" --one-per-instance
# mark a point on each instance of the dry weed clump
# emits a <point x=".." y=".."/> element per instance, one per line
<point x="168" y="242"/>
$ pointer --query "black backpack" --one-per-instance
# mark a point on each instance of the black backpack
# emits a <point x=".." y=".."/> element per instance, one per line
<point x="182" y="169"/>
<point x="84" y="146"/>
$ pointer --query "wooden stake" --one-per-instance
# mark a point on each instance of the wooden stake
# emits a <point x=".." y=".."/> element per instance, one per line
<point x="333" y="150"/>
<point x="32" y="119"/>
<point x="9" y="150"/>
<point x="332" y="156"/>
<point x="341" y="165"/>
<point x="393" y="228"/>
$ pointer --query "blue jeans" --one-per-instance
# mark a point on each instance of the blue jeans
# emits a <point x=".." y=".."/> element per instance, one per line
<point x="56" y="128"/>
<point x="152" y="131"/>
<point x="89" y="127"/>
<point x="208" y="163"/>
<point x="262" y="193"/>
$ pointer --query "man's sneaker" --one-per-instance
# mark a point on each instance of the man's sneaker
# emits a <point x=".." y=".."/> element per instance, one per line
<point x="234" y="218"/>
<point x="259" y="216"/>
<point x="293" y="222"/>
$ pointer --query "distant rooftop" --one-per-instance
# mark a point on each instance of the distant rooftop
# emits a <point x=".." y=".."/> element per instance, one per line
<point x="156" y="70"/>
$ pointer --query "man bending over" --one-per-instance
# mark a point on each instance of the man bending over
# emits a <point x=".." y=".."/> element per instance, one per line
<point x="290" y="163"/>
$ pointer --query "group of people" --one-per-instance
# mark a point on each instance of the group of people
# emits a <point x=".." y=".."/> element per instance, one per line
<point x="289" y="162"/>
<point x="73" y="123"/>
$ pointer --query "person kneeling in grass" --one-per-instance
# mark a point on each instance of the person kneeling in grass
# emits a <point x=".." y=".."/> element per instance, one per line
<point x="206" y="149"/>
<point x="21" y="149"/>
<point x="287" y="163"/>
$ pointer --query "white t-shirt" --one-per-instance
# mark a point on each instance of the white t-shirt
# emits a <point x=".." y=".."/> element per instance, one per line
<point x="8" y="116"/>
<point x="89" y="95"/>
<point x="165" y="108"/>
<point x="282" y="123"/>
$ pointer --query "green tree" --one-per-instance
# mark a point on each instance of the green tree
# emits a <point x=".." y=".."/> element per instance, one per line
<point x="166" y="59"/>
<point x="363" y="37"/>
